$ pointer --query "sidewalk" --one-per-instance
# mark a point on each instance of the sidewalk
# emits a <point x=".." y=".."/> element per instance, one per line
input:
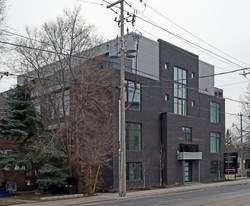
<point x="106" y="197"/>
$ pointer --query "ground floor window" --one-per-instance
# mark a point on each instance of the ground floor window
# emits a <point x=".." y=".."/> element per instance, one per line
<point x="215" y="167"/>
<point x="247" y="164"/>
<point x="134" y="171"/>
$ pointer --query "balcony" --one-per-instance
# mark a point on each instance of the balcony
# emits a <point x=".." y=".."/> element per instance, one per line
<point x="189" y="148"/>
<point x="189" y="152"/>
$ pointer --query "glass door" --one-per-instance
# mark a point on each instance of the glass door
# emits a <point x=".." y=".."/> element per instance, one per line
<point x="188" y="171"/>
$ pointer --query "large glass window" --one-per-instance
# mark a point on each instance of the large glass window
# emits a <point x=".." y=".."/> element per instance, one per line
<point x="214" y="112"/>
<point x="214" y="142"/>
<point x="180" y="91"/>
<point x="132" y="95"/>
<point x="214" y="167"/>
<point x="134" y="171"/>
<point x="187" y="134"/>
<point x="133" y="136"/>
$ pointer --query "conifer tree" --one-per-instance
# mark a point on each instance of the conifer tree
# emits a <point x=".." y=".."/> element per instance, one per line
<point x="21" y="120"/>
<point x="36" y="149"/>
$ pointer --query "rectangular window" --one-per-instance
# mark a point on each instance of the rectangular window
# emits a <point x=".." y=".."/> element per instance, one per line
<point x="187" y="134"/>
<point x="214" y="167"/>
<point x="166" y="66"/>
<point x="166" y="97"/>
<point x="61" y="105"/>
<point x="180" y="91"/>
<point x="193" y="103"/>
<point x="247" y="164"/>
<point x="133" y="136"/>
<point x="134" y="171"/>
<point x="214" y="112"/>
<point x="132" y="95"/>
<point x="214" y="142"/>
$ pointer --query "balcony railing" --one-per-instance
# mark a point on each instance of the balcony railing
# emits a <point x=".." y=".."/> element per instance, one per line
<point x="189" y="148"/>
<point x="189" y="152"/>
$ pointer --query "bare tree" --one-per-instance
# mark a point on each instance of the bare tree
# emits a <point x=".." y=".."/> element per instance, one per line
<point x="229" y="141"/>
<point x="73" y="86"/>
<point x="3" y="34"/>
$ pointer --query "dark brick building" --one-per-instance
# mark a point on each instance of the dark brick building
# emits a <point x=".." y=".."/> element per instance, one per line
<point x="175" y="125"/>
<point x="175" y="122"/>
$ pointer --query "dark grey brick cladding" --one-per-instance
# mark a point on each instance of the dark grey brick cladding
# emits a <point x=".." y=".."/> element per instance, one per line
<point x="153" y="105"/>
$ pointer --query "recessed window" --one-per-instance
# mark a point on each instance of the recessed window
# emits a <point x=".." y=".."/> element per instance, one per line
<point x="214" y="142"/>
<point x="134" y="171"/>
<point x="61" y="105"/>
<point x="214" y="167"/>
<point x="166" y="66"/>
<point x="166" y="97"/>
<point x="214" y="112"/>
<point x="132" y="95"/>
<point x="193" y="103"/>
<point x="192" y="75"/>
<point x="133" y="136"/>
<point x="187" y="134"/>
<point x="247" y="164"/>
<point x="180" y="91"/>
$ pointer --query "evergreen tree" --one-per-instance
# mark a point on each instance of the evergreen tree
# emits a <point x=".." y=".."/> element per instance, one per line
<point x="21" y="120"/>
<point x="21" y="124"/>
<point x="36" y="150"/>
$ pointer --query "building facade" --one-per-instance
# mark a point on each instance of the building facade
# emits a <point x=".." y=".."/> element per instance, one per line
<point x="175" y="117"/>
<point x="175" y="122"/>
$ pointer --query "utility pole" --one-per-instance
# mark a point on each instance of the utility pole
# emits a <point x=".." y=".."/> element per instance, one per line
<point x="122" y="188"/>
<point x="241" y="144"/>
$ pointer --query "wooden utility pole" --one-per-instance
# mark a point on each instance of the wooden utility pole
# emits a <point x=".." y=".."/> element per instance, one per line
<point x="241" y="145"/>
<point x="122" y="189"/>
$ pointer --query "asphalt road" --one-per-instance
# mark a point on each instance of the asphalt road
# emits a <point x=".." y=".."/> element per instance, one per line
<point x="229" y="196"/>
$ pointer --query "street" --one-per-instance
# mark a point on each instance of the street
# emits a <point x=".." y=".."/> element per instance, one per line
<point x="229" y="195"/>
<point x="214" y="194"/>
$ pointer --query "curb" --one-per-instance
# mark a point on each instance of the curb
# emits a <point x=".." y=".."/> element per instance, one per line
<point x="63" y="197"/>
<point x="187" y="188"/>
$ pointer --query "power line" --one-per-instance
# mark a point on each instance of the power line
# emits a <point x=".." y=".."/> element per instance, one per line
<point x="164" y="16"/>
<point x="90" y="2"/>
<point x="149" y="21"/>
<point x="142" y="85"/>
<point x="191" y="43"/>
<point x="185" y="40"/>
<point x="162" y="99"/>
<point x="86" y="58"/>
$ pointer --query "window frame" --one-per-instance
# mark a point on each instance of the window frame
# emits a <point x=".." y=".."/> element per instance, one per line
<point x="186" y="133"/>
<point x="215" y="112"/>
<point x="136" y="95"/>
<point x="166" y="97"/>
<point x="137" y="176"/>
<point x="193" y="103"/>
<point x="180" y="91"/>
<point x="127" y="138"/>
<point x="214" y="168"/>
<point x="166" y="66"/>
<point x="217" y="147"/>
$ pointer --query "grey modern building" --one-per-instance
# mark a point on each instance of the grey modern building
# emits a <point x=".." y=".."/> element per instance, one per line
<point x="175" y="122"/>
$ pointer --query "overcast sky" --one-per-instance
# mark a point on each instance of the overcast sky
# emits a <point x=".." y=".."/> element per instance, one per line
<point x="223" y="24"/>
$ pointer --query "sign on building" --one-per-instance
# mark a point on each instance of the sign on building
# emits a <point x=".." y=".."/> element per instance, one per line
<point x="231" y="163"/>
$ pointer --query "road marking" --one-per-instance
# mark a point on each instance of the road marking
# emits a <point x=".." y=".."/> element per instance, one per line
<point x="231" y="201"/>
